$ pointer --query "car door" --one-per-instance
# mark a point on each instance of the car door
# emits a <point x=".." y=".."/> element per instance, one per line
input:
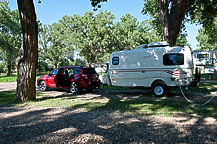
<point x="51" y="77"/>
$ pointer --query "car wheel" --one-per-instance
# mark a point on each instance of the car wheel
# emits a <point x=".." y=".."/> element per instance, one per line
<point x="90" y="90"/>
<point x="42" y="86"/>
<point x="159" y="89"/>
<point x="74" y="88"/>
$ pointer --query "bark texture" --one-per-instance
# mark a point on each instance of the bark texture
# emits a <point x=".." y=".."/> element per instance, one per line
<point x="172" y="14"/>
<point x="9" y="67"/>
<point x="28" y="53"/>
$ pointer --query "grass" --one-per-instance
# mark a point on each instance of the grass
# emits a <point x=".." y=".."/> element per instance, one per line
<point x="13" y="77"/>
<point x="8" y="98"/>
<point x="204" y="88"/>
<point x="145" y="105"/>
<point x="142" y="105"/>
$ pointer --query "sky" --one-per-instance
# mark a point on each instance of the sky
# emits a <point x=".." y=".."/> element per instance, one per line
<point x="50" y="11"/>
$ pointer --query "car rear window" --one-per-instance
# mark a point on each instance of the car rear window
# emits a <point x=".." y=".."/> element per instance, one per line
<point x="89" y="71"/>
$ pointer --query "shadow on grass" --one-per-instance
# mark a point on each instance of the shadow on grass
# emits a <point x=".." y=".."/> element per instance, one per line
<point x="8" y="98"/>
<point x="134" y="102"/>
<point x="111" y="121"/>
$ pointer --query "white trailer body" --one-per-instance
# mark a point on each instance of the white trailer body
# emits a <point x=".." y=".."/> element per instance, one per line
<point x="146" y="66"/>
<point x="204" y="57"/>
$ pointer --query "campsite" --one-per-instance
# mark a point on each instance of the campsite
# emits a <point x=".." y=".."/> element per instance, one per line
<point x="106" y="71"/>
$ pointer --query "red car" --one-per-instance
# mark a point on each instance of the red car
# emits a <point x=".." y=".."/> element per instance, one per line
<point x="74" y="78"/>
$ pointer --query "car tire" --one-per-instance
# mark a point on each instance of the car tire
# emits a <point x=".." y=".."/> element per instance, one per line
<point x="74" y="88"/>
<point x="42" y="86"/>
<point x="90" y="90"/>
<point x="159" y="89"/>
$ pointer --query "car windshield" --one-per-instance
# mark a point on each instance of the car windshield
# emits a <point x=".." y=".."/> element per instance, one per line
<point x="54" y="72"/>
<point x="89" y="70"/>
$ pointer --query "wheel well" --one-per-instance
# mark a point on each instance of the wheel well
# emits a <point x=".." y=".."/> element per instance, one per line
<point x="39" y="81"/>
<point x="158" y="82"/>
<point x="72" y="82"/>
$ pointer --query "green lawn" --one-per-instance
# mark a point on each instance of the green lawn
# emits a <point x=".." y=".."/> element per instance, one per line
<point x="8" y="98"/>
<point x="13" y="78"/>
<point x="146" y="105"/>
<point x="5" y="78"/>
<point x="103" y="101"/>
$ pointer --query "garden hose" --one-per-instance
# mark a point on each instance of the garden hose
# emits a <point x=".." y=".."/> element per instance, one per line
<point x="192" y="101"/>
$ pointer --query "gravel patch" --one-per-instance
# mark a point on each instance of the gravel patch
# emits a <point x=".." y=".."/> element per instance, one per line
<point x="5" y="86"/>
<point x="24" y="124"/>
<point x="67" y="125"/>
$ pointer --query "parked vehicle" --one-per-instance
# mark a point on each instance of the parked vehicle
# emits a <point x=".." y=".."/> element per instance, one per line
<point x="156" y="65"/>
<point x="206" y="59"/>
<point x="74" y="78"/>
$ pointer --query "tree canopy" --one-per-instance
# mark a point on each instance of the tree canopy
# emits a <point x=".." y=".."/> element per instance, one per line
<point x="207" y="37"/>
<point x="170" y="15"/>
<point x="94" y="37"/>
<point x="54" y="46"/>
<point x="173" y="14"/>
<point x="10" y="36"/>
<point x="91" y="34"/>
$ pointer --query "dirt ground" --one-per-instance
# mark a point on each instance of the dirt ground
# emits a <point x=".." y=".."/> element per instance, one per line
<point x="5" y="86"/>
<point x="24" y="124"/>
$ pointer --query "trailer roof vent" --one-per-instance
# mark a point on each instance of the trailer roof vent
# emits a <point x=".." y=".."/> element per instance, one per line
<point x="158" y="44"/>
<point x="153" y="44"/>
<point x="142" y="46"/>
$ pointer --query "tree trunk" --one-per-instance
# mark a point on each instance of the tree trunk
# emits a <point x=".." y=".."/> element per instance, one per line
<point x="9" y="68"/>
<point x="28" y="53"/>
<point x="177" y="15"/>
<point x="164" y="18"/>
<point x="171" y="20"/>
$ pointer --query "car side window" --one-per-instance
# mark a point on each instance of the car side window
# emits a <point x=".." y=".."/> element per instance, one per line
<point x="70" y="71"/>
<point x="54" y="72"/>
<point x="76" y="71"/>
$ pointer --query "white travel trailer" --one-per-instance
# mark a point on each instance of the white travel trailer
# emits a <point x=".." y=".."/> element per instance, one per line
<point x="156" y="65"/>
<point x="204" y="57"/>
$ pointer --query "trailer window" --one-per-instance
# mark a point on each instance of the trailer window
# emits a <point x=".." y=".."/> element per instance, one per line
<point x="173" y="59"/>
<point x="202" y="56"/>
<point x="115" y="60"/>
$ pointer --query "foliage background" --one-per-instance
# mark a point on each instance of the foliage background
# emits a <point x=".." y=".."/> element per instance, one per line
<point x="90" y="38"/>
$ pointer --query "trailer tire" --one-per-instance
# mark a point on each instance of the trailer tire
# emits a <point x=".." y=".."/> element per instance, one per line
<point x="159" y="89"/>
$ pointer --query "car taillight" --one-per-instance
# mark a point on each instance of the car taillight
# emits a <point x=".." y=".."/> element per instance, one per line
<point x="85" y="76"/>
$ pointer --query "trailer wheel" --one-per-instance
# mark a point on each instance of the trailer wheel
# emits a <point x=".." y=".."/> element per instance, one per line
<point x="159" y="89"/>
